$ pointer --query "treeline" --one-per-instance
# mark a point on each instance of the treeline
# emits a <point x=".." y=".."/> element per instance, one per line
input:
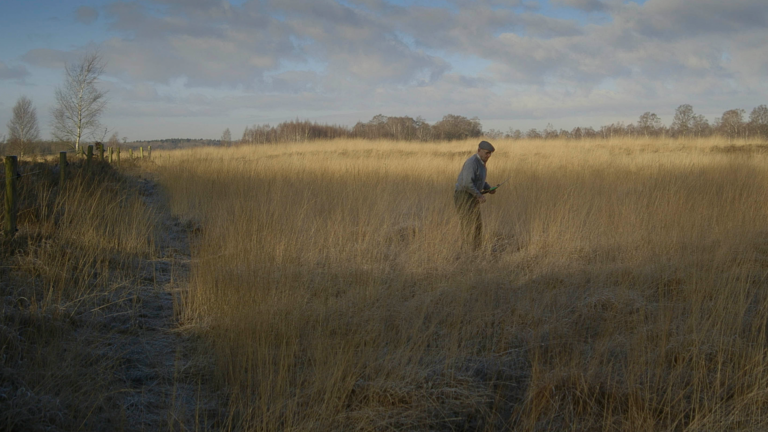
<point x="173" y="143"/>
<point x="31" y="147"/>
<point x="685" y="124"/>
<point x="451" y="127"/>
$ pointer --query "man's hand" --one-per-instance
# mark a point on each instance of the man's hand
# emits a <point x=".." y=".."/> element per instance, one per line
<point x="481" y="199"/>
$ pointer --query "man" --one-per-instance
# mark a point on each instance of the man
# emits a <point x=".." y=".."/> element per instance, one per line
<point x="468" y="194"/>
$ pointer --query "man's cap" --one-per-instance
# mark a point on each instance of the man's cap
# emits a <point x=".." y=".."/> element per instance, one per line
<point x="485" y="145"/>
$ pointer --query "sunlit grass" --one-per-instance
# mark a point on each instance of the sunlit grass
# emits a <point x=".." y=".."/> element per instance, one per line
<point x="621" y="285"/>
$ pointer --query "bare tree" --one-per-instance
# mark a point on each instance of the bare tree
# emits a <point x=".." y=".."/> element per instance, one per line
<point x="23" y="130"/>
<point x="732" y="123"/>
<point x="758" y="121"/>
<point x="456" y="127"/>
<point x="514" y="133"/>
<point x="649" y="124"/>
<point x="79" y="103"/>
<point x="493" y="134"/>
<point x="533" y="134"/>
<point x="423" y="129"/>
<point x="700" y="126"/>
<point x="226" y="138"/>
<point x="114" y="141"/>
<point x="683" y="121"/>
<point x="549" y="132"/>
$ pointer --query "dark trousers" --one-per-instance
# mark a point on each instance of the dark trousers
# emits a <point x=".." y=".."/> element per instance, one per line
<point x="469" y="215"/>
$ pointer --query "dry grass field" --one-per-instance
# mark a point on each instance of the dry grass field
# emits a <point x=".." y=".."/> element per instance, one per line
<point x="622" y="285"/>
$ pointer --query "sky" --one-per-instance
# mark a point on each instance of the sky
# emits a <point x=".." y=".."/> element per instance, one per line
<point x="193" y="68"/>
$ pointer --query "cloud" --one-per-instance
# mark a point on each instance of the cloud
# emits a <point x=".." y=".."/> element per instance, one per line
<point x="12" y="72"/>
<point x="210" y="48"/>
<point x="680" y="19"/>
<point x="86" y="14"/>
<point x="469" y="57"/>
<point x="359" y="44"/>
<point x="668" y="40"/>
<point x="546" y="28"/>
<point x="585" y="5"/>
<point x="293" y="82"/>
<point x="214" y="43"/>
<point x="143" y="92"/>
<point x="48" y="58"/>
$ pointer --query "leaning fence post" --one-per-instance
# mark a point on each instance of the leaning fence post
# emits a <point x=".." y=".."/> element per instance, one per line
<point x="89" y="158"/>
<point x="11" y="196"/>
<point x="62" y="168"/>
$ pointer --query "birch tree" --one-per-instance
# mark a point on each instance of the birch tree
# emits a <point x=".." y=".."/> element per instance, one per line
<point x="79" y="102"/>
<point x="23" y="129"/>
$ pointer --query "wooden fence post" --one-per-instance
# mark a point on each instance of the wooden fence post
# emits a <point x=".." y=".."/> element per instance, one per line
<point x="11" y="196"/>
<point x="131" y="152"/>
<point x="118" y="155"/>
<point x="110" y="155"/>
<point x="89" y="158"/>
<point x="141" y="152"/>
<point x="100" y="147"/>
<point x="62" y="168"/>
<point x="149" y="152"/>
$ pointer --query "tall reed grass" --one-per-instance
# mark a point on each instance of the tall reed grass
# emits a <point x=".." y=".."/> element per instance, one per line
<point x="68" y="279"/>
<point x="621" y="285"/>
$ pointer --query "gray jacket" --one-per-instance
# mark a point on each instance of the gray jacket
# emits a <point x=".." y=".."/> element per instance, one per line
<point x="472" y="176"/>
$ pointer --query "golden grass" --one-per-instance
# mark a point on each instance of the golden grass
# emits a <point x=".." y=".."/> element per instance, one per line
<point x="621" y="286"/>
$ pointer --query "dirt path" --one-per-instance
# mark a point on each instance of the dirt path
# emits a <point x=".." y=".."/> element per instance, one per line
<point x="89" y="337"/>
<point x="167" y="375"/>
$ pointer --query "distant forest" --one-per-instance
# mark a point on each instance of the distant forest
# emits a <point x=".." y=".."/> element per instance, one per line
<point x="685" y="124"/>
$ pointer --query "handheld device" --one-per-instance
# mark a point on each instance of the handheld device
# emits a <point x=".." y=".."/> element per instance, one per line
<point x="485" y="191"/>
